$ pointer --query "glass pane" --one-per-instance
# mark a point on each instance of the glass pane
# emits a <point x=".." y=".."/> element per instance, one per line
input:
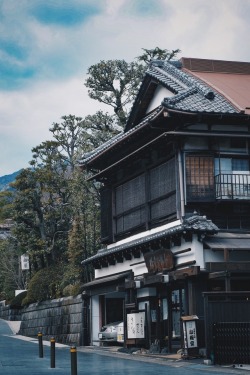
<point x="200" y="176"/>
<point x="240" y="165"/>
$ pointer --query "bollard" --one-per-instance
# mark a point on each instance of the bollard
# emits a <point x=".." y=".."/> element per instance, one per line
<point x="52" y="353"/>
<point x="73" y="360"/>
<point x="40" y="342"/>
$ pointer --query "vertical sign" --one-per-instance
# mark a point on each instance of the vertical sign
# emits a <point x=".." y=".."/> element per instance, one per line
<point x="135" y="325"/>
<point x="25" y="264"/>
<point x="190" y="334"/>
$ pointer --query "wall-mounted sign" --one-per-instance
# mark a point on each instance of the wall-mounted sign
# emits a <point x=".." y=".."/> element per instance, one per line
<point x="159" y="260"/>
<point x="135" y="325"/>
<point x="25" y="263"/>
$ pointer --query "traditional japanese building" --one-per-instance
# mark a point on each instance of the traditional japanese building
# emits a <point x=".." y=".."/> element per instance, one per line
<point x="175" y="203"/>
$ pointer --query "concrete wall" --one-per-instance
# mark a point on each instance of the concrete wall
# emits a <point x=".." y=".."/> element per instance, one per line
<point x="59" y="318"/>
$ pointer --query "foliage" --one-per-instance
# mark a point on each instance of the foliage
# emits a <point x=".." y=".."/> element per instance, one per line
<point x="11" y="277"/>
<point x="55" y="207"/>
<point x="157" y="54"/>
<point x="56" y="210"/>
<point x="71" y="290"/>
<point x="17" y="301"/>
<point x="44" y="285"/>
<point x="6" y="198"/>
<point x="116" y="82"/>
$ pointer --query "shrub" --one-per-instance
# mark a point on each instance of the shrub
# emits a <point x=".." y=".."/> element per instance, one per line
<point x="16" y="303"/>
<point x="44" y="285"/>
<point x="71" y="290"/>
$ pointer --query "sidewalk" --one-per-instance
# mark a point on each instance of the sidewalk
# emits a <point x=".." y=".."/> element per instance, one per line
<point x="173" y="361"/>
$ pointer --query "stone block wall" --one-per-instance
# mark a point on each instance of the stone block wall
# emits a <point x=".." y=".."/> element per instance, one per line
<point x="59" y="318"/>
<point x="8" y="313"/>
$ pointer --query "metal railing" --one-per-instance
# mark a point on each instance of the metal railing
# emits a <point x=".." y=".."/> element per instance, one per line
<point x="232" y="186"/>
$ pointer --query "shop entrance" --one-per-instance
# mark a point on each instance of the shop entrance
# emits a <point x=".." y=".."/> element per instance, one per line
<point x="111" y="306"/>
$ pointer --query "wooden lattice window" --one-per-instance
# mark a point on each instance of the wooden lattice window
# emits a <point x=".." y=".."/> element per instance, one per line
<point x="130" y="200"/>
<point x="200" y="177"/>
<point x="163" y="190"/>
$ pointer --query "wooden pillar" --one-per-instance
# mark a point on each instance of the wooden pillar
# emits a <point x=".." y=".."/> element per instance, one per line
<point x="191" y="298"/>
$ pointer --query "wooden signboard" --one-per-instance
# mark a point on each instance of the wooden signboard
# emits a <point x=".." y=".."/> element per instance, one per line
<point x="157" y="261"/>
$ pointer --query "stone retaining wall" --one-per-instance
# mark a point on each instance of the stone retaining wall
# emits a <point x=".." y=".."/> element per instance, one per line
<point x="59" y="318"/>
<point x="8" y="313"/>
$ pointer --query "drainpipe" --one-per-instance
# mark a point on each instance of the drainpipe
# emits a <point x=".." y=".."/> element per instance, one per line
<point x="181" y="184"/>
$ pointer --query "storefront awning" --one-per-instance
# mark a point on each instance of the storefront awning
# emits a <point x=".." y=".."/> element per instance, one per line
<point x="229" y="241"/>
<point x="106" y="280"/>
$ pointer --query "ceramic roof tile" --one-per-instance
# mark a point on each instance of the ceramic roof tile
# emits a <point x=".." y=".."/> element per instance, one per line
<point x="191" y="95"/>
<point x="195" y="223"/>
<point x="122" y="135"/>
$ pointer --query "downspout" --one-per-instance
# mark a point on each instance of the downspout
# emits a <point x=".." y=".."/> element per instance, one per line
<point x="181" y="184"/>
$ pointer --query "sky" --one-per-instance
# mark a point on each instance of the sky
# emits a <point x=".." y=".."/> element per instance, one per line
<point x="47" y="46"/>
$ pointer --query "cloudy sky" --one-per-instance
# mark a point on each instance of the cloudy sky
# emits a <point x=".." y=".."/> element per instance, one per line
<point x="46" y="47"/>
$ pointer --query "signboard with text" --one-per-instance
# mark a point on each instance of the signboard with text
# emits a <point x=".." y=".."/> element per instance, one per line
<point x="135" y="325"/>
<point x="25" y="264"/>
<point x="159" y="260"/>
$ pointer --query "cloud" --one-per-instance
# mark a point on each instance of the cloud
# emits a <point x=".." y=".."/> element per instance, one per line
<point x="46" y="47"/>
<point x="145" y="8"/>
<point x="63" y="13"/>
<point x="42" y="39"/>
<point x="27" y="115"/>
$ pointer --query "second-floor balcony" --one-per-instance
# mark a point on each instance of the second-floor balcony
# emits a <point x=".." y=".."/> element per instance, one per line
<point x="234" y="185"/>
<point x="230" y="186"/>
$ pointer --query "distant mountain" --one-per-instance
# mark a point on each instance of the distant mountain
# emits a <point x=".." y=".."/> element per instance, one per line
<point x="6" y="180"/>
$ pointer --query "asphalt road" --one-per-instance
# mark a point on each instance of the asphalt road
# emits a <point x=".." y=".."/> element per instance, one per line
<point x="19" y="355"/>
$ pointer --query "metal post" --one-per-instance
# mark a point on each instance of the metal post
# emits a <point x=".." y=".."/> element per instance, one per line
<point x="52" y="353"/>
<point x="40" y="342"/>
<point x="73" y="353"/>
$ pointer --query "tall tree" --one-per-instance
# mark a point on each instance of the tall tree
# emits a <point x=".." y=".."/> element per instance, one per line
<point x="157" y="54"/>
<point x="116" y="82"/>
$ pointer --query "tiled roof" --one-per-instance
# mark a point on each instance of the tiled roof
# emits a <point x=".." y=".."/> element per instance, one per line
<point x="192" y="95"/>
<point x="119" y="137"/>
<point x="195" y="224"/>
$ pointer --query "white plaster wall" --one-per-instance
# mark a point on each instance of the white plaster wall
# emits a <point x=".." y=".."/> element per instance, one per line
<point x="213" y="256"/>
<point x="95" y="322"/>
<point x="127" y="265"/>
<point x="132" y="264"/>
<point x="196" y="253"/>
<point x="160" y="93"/>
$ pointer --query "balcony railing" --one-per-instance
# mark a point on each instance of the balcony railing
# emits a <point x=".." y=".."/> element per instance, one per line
<point x="232" y="186"/>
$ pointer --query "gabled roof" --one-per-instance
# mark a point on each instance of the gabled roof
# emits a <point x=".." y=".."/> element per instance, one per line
<point x="119" y="137"/>
<point x="230" y="78"/>
<point x="191" y="93"/>
<point x="191" y="96"/>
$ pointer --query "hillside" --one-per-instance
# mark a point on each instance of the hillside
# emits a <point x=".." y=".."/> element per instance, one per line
<point x="7" y="179"/>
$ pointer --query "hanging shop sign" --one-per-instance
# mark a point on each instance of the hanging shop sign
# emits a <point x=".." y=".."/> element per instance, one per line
<point x="159" y="260"/>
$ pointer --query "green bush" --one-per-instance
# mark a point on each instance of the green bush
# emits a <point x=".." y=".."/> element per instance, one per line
<point x="16" y="303"/>
<point x="71" y="290"/>
<point x="44" y="285"/>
